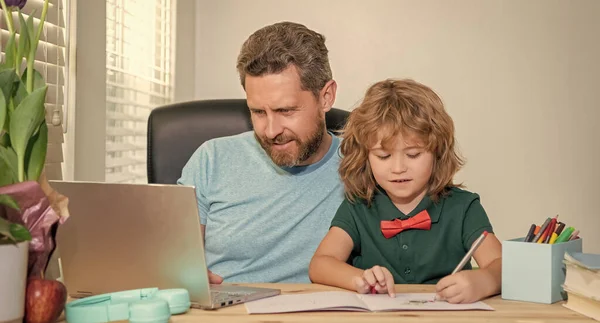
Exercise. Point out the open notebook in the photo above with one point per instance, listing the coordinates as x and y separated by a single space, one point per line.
349 301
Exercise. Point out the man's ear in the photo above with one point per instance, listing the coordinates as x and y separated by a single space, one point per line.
327 96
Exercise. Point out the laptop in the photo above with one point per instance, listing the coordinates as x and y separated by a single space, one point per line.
131 236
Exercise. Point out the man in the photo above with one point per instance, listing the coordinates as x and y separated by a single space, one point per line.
266 197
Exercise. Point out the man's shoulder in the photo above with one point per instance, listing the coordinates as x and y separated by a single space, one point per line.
244 138
226 147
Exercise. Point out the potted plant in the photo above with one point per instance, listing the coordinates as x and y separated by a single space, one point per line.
14 246
30 210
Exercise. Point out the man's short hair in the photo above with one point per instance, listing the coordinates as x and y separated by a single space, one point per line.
272 49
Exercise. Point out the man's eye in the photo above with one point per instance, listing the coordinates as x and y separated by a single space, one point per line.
258 112
413 156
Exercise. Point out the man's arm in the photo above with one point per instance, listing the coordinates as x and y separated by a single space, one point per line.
212 278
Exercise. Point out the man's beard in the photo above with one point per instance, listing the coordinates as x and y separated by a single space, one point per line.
290 158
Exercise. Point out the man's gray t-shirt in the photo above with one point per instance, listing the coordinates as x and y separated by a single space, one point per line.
263 222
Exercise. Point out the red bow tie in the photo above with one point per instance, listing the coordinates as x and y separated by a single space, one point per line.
420 221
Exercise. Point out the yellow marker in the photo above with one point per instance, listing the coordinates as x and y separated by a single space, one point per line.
553 238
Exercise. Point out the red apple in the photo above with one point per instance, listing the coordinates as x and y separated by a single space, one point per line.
45 300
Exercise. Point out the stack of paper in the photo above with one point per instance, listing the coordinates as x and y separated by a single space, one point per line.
582 283
349 301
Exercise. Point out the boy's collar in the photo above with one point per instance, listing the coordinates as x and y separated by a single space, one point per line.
434 209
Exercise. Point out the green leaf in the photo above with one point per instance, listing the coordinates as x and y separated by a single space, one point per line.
24 123
9 201
20 94
24 40
5 140
13 231
20 232
9 50
8 77
7 176
3 111
8 158
5 229
35 157
38 80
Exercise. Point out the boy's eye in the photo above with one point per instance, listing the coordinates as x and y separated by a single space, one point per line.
413 156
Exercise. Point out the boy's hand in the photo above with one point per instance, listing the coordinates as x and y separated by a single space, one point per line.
467 286
378 279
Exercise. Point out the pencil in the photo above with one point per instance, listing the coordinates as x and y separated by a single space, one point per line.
467 257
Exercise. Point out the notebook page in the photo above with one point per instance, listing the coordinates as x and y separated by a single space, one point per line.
346 301
416 302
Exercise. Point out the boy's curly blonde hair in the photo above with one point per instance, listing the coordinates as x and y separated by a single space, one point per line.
391 108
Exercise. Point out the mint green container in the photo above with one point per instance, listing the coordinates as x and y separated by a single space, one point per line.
534 272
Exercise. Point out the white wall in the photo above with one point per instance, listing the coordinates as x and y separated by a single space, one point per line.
520 78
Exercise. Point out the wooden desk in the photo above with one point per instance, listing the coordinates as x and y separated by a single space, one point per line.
505 311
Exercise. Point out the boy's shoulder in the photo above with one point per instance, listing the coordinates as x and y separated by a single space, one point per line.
459 196
459 192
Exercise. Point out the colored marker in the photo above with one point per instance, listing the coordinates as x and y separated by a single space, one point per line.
550 230
542 230
574 235
530 234
565 235
373 290
554 237
546 232
537 229
560 227
467 257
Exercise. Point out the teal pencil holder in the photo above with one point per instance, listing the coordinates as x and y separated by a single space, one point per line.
535 272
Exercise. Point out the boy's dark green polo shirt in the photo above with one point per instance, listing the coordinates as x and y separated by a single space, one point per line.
414 256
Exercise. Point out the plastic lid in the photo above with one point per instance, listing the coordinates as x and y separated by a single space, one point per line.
149 311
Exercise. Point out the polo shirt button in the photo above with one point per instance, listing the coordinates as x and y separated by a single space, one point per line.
404 247
407 270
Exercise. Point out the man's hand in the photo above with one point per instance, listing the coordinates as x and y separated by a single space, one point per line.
214 278
467 286
377 278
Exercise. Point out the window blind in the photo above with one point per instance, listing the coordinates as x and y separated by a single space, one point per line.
139 77
51 63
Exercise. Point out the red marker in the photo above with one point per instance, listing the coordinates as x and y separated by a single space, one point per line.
373 290
467 257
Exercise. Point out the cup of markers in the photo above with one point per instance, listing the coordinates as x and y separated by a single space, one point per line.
550 232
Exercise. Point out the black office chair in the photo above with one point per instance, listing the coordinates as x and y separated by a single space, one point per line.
176 131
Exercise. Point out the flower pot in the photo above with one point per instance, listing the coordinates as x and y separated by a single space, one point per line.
13 279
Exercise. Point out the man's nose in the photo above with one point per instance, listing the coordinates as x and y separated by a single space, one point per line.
274 127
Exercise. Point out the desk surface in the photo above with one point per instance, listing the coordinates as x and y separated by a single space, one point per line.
505 311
